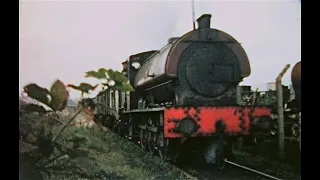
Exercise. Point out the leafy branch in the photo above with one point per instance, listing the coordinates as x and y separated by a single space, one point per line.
111 79
65 125
54 100
83 87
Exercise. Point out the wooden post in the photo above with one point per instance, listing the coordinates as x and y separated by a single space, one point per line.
239 100
280 112
254 97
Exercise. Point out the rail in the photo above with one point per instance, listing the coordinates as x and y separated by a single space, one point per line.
252 170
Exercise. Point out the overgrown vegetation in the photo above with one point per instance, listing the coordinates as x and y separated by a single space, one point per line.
51 149
90 154
108 79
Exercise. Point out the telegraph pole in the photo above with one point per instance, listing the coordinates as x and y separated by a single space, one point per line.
280 111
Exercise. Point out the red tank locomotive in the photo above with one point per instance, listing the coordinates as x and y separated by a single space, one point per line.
187 90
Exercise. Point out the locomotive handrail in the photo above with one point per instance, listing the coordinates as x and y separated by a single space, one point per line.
210 42
145 110
157 52
158 85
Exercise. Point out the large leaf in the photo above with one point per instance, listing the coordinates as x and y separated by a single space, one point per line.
74 87
83 87
29 108
100 74
59 95
93 74
38 93
124 87
116 76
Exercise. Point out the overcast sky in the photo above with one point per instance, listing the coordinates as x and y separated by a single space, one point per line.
64 39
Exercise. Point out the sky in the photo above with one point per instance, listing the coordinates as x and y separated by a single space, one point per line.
64 39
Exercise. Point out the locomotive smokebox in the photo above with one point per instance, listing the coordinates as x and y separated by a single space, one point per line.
204 21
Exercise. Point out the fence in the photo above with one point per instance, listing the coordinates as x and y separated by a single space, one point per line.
249 96
278 96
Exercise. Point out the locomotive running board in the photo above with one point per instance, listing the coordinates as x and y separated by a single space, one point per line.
145 110
210 42
178 122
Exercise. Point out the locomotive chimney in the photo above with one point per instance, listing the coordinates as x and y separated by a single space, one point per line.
204 21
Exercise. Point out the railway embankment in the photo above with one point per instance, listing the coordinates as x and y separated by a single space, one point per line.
83 153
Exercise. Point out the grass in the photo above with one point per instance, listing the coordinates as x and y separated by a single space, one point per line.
109 156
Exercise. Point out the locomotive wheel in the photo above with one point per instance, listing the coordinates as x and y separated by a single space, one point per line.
220 156
274 129
295 130
163 147
221 163
151 137
144 138
117 128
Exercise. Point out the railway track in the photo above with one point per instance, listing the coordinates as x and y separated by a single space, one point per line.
252 170
232 171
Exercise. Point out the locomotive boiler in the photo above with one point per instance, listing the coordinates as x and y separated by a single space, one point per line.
201 68
187 91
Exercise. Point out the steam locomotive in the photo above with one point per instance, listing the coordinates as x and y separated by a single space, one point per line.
186 92
296 83
292 109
